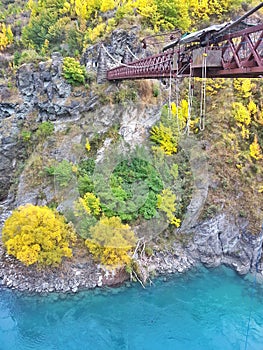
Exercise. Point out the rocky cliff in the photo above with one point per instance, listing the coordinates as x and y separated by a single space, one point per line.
94 112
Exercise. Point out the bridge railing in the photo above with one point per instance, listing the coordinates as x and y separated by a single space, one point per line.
241 55
242 52
150 67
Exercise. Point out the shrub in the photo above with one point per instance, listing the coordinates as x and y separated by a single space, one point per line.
73 71
86 167
26 135
132 190
166 203
27 56
255 150
241 113
45 129
62 173
37 235
156 91
111 242
85 184
6 36
164 137
90 203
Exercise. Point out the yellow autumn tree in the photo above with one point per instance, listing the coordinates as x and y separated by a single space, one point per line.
36 234
6 36
163 136
166 202
90 203
107 5
255 149
111 242
242 117
242 87
180 116
203 9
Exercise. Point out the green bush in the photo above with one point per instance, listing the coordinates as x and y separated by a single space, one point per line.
26 135
86 167
27 56
73 71
124 95
45 129
85 185
132 190
62 173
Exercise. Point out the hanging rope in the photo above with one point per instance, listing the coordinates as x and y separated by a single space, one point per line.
190 101
203 94
131 65
182 70
134 56
170 92
177 90
254 286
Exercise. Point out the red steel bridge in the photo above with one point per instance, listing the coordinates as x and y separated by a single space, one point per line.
230 50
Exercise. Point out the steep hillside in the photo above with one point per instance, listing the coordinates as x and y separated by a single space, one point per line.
143 187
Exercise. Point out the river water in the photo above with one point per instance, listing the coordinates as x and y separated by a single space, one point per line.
202 309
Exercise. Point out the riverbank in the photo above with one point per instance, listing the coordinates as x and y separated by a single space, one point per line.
213 242
74 275
82 273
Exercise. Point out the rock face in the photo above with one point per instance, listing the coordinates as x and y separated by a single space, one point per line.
221 240
42 94
122 47
10 152
133 123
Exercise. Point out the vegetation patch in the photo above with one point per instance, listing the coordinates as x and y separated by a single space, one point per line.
38 235
73 71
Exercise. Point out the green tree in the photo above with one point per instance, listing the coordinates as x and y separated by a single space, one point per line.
73 71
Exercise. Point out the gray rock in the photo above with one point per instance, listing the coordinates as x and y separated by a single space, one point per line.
223 241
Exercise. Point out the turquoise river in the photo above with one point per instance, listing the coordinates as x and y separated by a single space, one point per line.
202 309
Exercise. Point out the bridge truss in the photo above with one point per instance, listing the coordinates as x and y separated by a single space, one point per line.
235 55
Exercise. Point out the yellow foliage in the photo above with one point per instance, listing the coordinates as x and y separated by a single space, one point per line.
65 9
164 137
107 5
252 107
243 87
111 242
259 118
202 9
6 36
180 117
255 150
111 24
166 201
96 32
87 145
90 203
214 85
148 9
74 169
245 132
37 235
241 114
